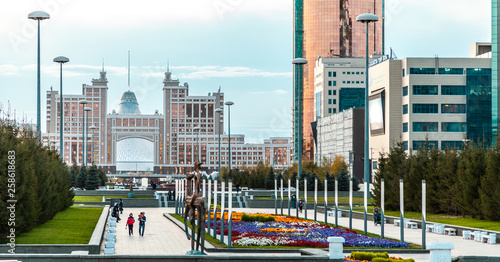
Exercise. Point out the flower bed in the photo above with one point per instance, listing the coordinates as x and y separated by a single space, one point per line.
291 231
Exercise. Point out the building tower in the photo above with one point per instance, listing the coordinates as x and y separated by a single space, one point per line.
329 29
495 65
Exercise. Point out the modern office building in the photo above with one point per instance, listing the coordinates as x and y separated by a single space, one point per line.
329 29
445 102
129 140
495 66
342 134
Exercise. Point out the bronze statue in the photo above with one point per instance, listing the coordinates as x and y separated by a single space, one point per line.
195 208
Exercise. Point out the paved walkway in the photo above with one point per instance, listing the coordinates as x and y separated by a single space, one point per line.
162 237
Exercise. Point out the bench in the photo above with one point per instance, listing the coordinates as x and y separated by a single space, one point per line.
450 231
490 239
332 213
411 225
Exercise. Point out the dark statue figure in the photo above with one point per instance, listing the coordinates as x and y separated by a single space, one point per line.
195 209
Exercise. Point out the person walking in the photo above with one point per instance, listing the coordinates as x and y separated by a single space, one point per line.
130 224
116 212
142 223
121 206
301 205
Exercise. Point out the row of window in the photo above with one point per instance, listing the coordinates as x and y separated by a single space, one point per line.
434 109
432 71
433 127
334 74
332 110
420 144
433 90
332 92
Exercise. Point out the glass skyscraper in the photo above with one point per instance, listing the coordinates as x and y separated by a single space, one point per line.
328 28
494 69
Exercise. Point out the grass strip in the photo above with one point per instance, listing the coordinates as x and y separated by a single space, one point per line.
74 225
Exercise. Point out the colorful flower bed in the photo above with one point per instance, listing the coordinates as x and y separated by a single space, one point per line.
291 231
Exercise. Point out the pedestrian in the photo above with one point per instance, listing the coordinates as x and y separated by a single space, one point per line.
301 205
121 206
142 223
116 212
130 224
169 195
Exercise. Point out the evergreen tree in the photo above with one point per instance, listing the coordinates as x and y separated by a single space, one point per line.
270 179
489 191
73 174
102 177
81 180
92 182
471 168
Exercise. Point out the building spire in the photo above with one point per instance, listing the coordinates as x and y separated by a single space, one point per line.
168 65
102 65
128 70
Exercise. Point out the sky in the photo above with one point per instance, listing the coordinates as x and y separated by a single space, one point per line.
243 46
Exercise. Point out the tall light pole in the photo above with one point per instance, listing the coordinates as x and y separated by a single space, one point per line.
38 15
367 19
92 129
229 104
86 125
84 104
197 128
219 111
61 60
298 90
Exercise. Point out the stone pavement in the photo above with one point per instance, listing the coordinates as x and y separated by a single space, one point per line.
162 237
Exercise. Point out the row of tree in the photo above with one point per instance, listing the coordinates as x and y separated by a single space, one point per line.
263 176
89 179
465 182
40 178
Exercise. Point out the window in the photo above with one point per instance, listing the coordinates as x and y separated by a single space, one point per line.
405 109
452 144
425 126
334 83
425 90
425 108
329 83
418 144
329 101
329 92
453 108
348 82
334 101
422 71
357 73
404 76
453 127
405 127
329 74
334 110
334 92
451 71
405 145
405 90
343 73
348 73
453 90
329 110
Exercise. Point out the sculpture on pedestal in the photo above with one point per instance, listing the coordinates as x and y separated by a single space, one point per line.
195 209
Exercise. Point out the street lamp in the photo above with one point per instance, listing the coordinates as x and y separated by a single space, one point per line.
367 19
86 125
83 103
298 90
61 60
229 104
197 128
92 129
38 15
219 111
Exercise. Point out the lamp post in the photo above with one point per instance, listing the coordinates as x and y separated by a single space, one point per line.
86 125
298 89
83 103
367 19
38 15
61 60
92 129
219 111
229 104
197 128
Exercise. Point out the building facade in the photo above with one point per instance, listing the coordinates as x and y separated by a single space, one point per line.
495 66
129 140
329 29
439 102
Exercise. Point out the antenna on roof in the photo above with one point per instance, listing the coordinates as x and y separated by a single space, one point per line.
168 65
102 64
128 70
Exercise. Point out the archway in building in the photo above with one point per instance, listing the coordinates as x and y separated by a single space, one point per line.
134 155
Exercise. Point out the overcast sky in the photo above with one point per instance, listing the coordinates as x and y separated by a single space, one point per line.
244 46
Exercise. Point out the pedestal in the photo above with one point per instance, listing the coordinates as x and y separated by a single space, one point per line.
336 247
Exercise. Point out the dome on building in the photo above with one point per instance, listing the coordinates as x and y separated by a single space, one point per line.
129 104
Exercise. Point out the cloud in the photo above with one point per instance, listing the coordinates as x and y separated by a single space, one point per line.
7 70
204 72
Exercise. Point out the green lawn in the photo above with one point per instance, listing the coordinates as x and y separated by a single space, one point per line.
99 198
74 225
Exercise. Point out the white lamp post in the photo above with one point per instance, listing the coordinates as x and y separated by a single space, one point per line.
219 111
197 129
61 60
83 103
229 104
92 129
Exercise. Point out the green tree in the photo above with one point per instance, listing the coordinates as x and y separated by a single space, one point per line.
489 191
73 174
93 181
270 179
471 168
81 180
